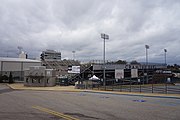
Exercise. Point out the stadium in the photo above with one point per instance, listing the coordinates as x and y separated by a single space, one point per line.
52 60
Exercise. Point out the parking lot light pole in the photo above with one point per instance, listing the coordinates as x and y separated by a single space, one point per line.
104 37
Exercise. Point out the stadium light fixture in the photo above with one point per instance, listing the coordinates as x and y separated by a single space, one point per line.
147 47
165 51
104 37
73 52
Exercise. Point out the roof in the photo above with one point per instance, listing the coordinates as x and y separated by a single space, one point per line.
7 59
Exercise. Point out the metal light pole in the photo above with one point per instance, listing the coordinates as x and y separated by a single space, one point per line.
165 51
147 47
165 75
104 36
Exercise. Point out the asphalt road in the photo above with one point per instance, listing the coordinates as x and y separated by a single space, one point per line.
54 105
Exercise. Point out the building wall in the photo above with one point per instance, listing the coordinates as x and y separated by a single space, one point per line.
11 66
39 82
39 76
127 66
27 65
16 68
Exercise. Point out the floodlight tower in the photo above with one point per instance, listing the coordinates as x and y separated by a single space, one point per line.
165 51
104 37
73 52
147 47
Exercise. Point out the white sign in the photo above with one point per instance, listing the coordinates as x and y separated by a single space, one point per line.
119 73
134 73
74 69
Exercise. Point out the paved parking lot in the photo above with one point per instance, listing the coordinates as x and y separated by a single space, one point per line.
57 105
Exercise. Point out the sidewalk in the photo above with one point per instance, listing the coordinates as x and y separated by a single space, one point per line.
20 86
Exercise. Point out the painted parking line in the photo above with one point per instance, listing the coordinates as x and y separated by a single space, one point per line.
61 115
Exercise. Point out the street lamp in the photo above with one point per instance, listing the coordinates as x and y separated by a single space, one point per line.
165 51
104 37
147 47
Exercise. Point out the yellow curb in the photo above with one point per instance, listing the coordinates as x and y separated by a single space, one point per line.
72 89
55 88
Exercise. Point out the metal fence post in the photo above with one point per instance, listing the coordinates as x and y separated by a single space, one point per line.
152 88
121 85
130 86
113 85
166 88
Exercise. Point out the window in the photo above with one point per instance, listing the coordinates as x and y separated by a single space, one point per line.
48 73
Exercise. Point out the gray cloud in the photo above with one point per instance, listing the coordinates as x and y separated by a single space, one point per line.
67 25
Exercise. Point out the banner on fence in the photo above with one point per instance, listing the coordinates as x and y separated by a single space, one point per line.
134 73
119 73
73 69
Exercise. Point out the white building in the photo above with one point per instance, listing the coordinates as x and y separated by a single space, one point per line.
16 66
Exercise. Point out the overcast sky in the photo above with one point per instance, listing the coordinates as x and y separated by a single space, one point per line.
76 25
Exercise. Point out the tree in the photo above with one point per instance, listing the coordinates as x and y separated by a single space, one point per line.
4 78
10 78
121 62
174 68
134 62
